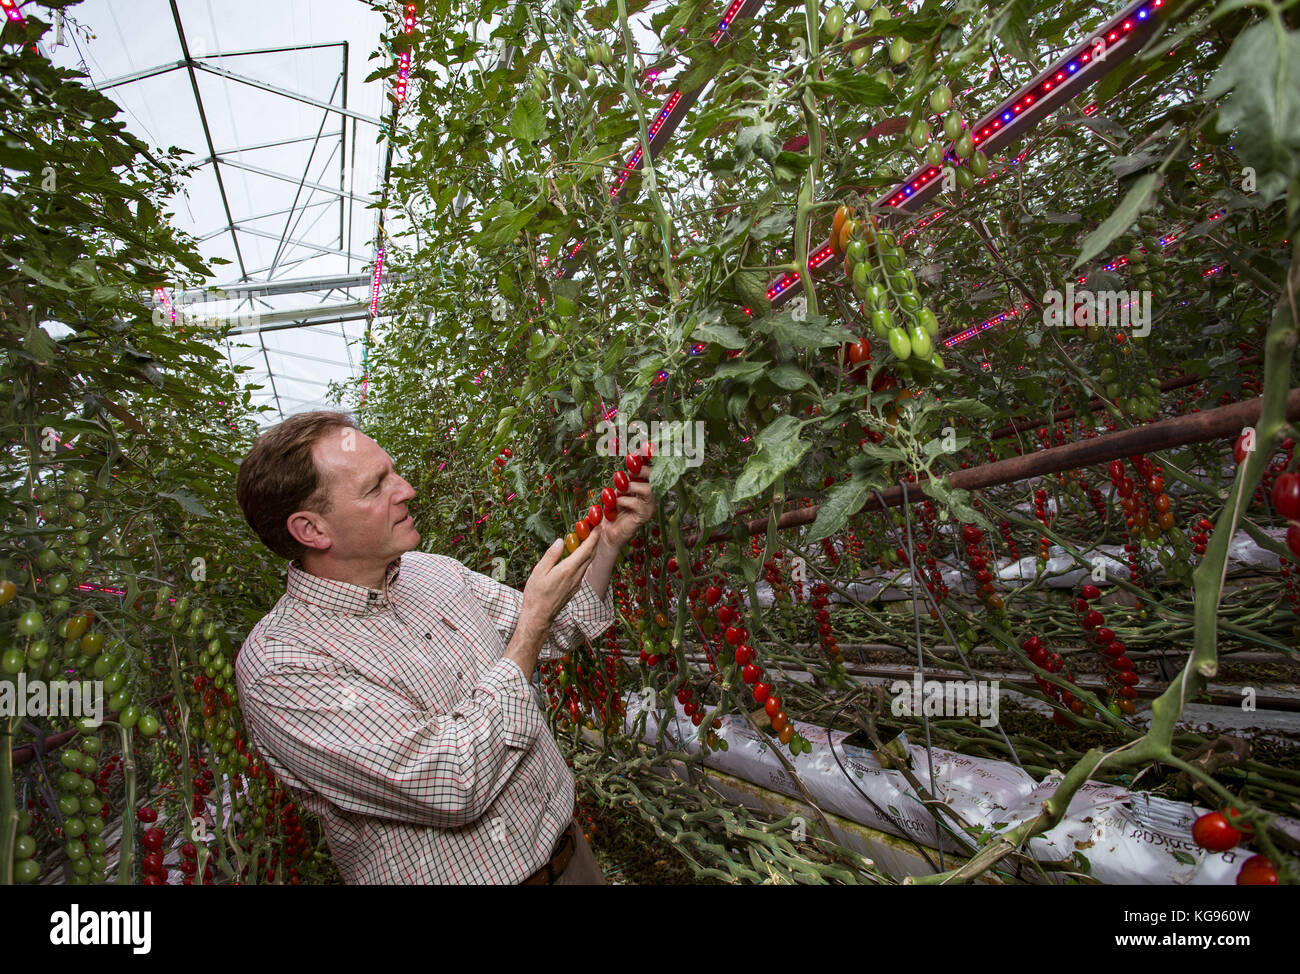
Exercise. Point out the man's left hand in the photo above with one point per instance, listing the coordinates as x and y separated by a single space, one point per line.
635 508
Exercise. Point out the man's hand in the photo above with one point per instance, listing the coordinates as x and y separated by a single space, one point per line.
635 508
550 586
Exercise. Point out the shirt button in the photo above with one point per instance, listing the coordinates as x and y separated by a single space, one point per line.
428 635
460 676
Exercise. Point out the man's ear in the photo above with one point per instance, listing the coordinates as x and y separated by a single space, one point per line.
309 529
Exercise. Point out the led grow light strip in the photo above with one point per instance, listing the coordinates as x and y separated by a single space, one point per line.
1166 241
10 7
1090 61
404 59
375 280
673 112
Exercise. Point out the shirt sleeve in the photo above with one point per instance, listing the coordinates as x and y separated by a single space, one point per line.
585 616
370 751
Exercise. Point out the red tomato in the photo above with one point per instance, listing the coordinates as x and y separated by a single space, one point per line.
608 497
712 594
593 515
620 481
1286 496
1212 831
726 614
1293 538
1257 871
582 530
1239 451
744 654
761 692
611 512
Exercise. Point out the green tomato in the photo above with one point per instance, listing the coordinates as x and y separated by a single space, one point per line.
979 164
899 344
129 716
940 99
58 584
12 661
25 847
965 146
859 56
26 871
149 725
952 125
921 345
920 133
928 321
881 322
934 154
964 178
30 623
899 49
833 23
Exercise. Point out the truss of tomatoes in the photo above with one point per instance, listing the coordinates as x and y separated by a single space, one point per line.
607 509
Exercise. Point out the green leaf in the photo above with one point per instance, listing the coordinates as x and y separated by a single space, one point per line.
842 501
1129 209
714 503
665 472
739 368
790 378
186 500
718 334
779 449
1262 72
528 122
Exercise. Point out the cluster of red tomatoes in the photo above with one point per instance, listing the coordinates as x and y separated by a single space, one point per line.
608 506
1221 831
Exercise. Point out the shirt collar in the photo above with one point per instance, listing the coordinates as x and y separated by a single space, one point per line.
336 596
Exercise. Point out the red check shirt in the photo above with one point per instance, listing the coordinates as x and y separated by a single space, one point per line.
393 717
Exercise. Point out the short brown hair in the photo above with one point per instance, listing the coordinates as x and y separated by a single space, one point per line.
279 477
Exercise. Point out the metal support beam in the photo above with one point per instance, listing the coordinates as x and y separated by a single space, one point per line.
297 285
260 216
298 243
271 145
140 75
277 90
263 171
355 316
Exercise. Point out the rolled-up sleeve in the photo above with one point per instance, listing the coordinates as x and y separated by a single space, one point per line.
371 751
586 616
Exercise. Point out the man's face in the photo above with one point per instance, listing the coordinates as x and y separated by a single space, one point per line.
368 521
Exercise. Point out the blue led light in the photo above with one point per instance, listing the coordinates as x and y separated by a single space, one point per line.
1073 68
1142 15
1006 117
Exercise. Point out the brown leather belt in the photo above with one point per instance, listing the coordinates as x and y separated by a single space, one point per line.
561 855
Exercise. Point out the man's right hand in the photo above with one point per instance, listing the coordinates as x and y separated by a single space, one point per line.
549 588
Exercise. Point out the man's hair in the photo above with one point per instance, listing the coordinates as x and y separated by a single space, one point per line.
279 477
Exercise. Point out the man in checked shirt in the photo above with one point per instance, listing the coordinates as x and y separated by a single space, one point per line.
389 689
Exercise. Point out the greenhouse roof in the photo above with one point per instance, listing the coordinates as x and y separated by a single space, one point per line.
270 101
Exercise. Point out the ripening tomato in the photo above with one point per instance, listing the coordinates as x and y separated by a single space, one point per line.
571 543
581 529
1212 831
859 352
